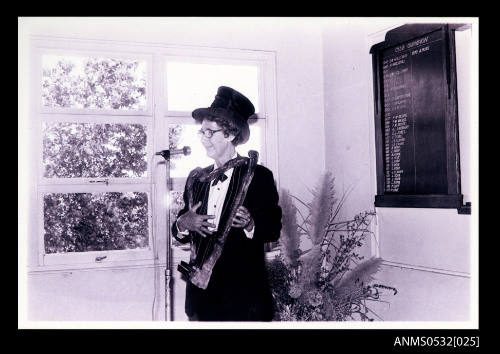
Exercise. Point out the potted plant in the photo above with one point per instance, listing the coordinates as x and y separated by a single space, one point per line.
329 281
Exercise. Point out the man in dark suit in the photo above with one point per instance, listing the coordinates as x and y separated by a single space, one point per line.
231 210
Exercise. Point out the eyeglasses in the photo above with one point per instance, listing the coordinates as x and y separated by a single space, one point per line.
208 133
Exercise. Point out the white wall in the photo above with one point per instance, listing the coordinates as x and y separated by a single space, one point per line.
128 293
427 251
86 295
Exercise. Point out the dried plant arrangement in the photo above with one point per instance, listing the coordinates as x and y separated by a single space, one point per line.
330 281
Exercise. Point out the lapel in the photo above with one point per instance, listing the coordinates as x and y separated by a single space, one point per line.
201 191
234 187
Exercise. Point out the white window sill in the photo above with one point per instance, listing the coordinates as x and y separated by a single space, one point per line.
111 262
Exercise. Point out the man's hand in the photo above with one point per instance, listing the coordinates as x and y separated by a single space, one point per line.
194 222
243 219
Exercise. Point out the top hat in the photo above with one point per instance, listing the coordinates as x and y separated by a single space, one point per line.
232 106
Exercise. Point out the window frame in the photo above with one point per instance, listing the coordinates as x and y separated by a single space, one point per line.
267 110
157 119
41 114
92 119
99 111
112 256
260 110
85 49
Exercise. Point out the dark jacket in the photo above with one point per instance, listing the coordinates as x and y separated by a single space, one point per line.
239 288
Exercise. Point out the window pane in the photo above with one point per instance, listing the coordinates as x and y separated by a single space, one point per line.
175 204
82 222
181 135
94 150
94 83
191 86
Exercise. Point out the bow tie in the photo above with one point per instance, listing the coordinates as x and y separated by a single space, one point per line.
222 177
217 174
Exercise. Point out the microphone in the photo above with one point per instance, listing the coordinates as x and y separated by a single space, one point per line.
186 150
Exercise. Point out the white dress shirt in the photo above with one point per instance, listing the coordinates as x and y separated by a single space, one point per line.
216 197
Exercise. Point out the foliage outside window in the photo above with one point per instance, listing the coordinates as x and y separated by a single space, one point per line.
176 203
94 150
93 83
82 222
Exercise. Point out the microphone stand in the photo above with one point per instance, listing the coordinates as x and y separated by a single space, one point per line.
168 258
186 150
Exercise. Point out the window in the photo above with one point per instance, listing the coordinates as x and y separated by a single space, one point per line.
82 225
192 84
73 150
70 81
101 112
93 111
